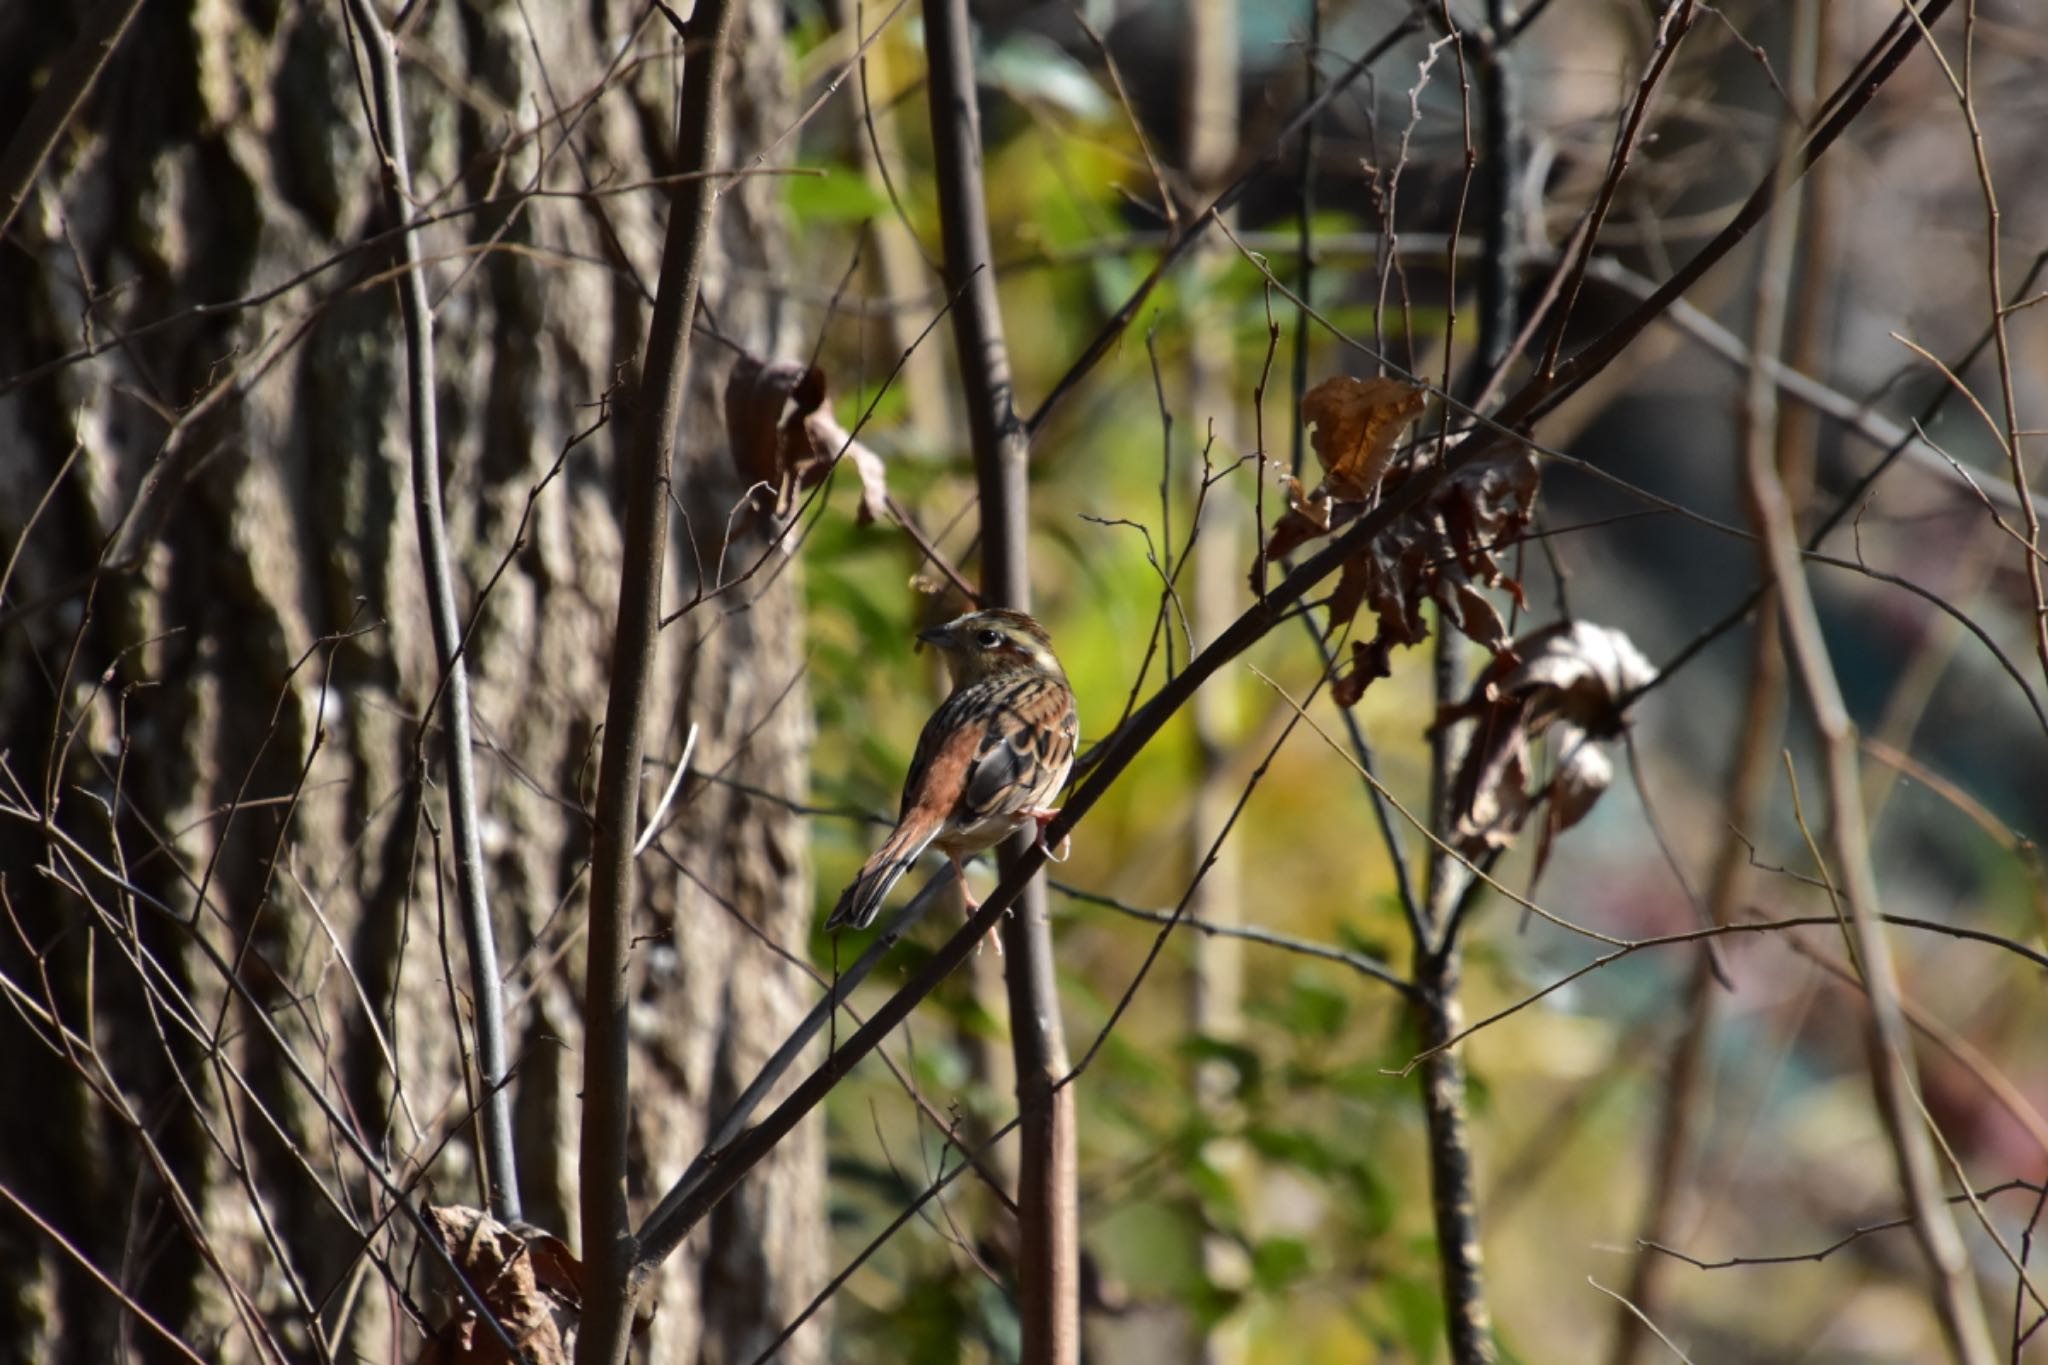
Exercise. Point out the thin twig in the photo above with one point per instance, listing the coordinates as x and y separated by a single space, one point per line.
2011 437
668 794
772 1071
1223 203
1855 1234
472 896
64 89
87 1264
1357 962
1761 926
1642 1317
259 1012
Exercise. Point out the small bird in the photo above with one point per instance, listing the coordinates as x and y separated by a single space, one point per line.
990 760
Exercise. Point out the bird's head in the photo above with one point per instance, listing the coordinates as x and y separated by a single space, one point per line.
982 644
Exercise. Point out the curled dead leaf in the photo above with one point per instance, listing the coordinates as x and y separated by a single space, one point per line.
1584 772
527 1277
1582 673
761 398
1369 663
1357 424
1567 683
1314 507
1448 551
784 438
828 438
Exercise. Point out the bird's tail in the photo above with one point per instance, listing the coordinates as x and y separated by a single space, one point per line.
862 900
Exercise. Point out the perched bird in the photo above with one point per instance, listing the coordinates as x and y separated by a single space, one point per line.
990 760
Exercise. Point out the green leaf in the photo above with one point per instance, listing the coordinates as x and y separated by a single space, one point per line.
1000 1326
1154 1246
1418 1315
1294 1147
1350 936
889 404
1278 1262
837 196
1374 1200
1315 1010
1218 1197
942 1067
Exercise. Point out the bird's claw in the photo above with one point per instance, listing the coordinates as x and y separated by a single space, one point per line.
1044 816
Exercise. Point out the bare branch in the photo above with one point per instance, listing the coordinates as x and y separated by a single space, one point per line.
1955 1297
423 427
608 1247
1048 1216
1854 1235
63 91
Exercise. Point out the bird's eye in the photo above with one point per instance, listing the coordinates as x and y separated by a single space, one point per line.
988 639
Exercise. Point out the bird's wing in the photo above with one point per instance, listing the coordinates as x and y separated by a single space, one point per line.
948 755
1025 752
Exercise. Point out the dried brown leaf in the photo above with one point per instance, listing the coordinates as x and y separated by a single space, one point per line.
514 1271
1580 673
1492 789
827 439
784 438
1368 666
1584 772
1476 617
765 403
1314 506
1357 424
1292 531
1446 550
1566 683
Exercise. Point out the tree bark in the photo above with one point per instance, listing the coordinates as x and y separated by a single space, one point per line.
237 500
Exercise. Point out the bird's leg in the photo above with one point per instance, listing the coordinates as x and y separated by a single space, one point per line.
970 904
966 892
1043 816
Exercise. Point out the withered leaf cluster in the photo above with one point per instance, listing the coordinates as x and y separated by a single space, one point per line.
527 1276
1566 684
784 438
1445 550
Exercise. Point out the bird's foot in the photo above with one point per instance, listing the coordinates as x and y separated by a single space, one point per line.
1043 816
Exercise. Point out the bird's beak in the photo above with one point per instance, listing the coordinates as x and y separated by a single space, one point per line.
940 636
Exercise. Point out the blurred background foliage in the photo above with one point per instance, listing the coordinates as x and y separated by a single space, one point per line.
1312 1168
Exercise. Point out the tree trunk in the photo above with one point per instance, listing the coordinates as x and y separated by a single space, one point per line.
241 679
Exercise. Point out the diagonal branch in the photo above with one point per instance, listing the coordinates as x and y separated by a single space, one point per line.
1848 103
69 82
